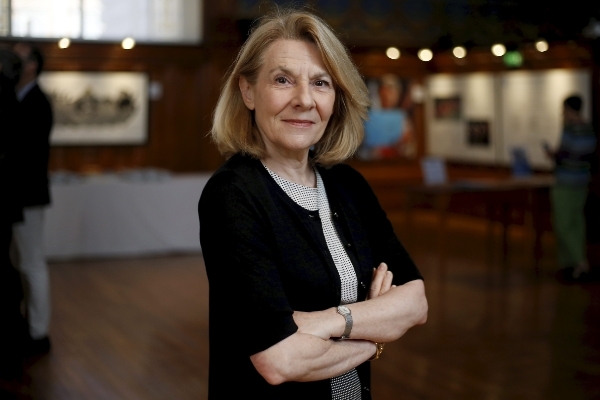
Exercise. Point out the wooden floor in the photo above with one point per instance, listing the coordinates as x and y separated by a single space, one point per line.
137 329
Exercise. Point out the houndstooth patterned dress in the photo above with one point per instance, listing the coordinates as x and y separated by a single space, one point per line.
347 385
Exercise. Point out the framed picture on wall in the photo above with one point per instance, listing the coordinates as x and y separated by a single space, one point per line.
97 108
447 108
389 130
478 133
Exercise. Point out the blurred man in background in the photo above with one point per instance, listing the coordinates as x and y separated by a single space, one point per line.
573 173
33 127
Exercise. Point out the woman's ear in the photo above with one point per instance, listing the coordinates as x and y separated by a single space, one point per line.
247 92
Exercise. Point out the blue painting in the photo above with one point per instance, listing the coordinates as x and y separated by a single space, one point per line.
389 129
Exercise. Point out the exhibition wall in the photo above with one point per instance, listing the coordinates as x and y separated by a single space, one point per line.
531 109
483 116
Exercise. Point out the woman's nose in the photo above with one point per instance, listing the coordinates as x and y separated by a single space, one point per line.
303 97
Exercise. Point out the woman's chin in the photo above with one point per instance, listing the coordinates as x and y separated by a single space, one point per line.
292 149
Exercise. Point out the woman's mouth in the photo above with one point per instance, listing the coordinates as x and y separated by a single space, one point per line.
301 123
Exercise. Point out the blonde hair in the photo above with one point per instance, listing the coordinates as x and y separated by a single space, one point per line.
234 130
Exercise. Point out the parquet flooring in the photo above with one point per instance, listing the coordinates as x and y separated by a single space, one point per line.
137 328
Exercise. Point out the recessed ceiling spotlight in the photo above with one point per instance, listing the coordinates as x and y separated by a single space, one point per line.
64 43
541 45
128 43
393 53
498 49
425 55
459 52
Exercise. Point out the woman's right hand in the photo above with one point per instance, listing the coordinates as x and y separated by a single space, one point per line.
381 282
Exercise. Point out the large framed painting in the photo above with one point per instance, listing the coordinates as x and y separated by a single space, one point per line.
97 108
389 130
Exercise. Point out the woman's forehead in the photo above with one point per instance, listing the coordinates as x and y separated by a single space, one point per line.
293 54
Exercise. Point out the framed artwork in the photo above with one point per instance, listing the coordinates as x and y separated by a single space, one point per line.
478 133
97 108
389 130
447 108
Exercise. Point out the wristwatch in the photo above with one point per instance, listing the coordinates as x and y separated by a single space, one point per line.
345 312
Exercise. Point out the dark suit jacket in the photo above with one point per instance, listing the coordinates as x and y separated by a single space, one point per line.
34 126
266 256
10 199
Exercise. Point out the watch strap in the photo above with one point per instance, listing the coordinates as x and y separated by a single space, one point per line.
345 312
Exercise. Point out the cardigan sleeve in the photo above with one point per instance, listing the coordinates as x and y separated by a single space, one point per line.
240 256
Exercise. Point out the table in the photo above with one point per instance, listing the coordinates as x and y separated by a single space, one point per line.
123 215
498 197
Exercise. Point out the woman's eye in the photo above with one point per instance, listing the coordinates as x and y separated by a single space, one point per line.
281 79
321 83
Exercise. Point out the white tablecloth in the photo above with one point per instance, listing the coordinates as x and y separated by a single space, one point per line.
110 216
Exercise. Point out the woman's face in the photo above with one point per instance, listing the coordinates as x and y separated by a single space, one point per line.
292 98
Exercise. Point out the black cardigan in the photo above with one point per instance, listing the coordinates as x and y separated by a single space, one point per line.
266 257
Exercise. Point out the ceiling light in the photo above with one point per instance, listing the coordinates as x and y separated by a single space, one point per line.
64 43
393 53
541 45
425 55
459 52
498 49
128 43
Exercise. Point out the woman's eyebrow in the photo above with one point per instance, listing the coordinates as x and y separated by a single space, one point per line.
285 70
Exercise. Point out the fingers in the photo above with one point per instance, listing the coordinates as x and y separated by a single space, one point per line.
381 282
377 280
387 282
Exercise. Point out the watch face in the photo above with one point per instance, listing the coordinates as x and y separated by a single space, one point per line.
344 309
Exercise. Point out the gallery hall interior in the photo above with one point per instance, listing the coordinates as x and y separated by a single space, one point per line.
454 141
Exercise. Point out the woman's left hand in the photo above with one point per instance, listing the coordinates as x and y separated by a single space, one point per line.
382 281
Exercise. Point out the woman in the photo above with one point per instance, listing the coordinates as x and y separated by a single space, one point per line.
290 235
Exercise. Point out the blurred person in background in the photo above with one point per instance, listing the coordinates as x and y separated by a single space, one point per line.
13 327
33 132
573 160
307 277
